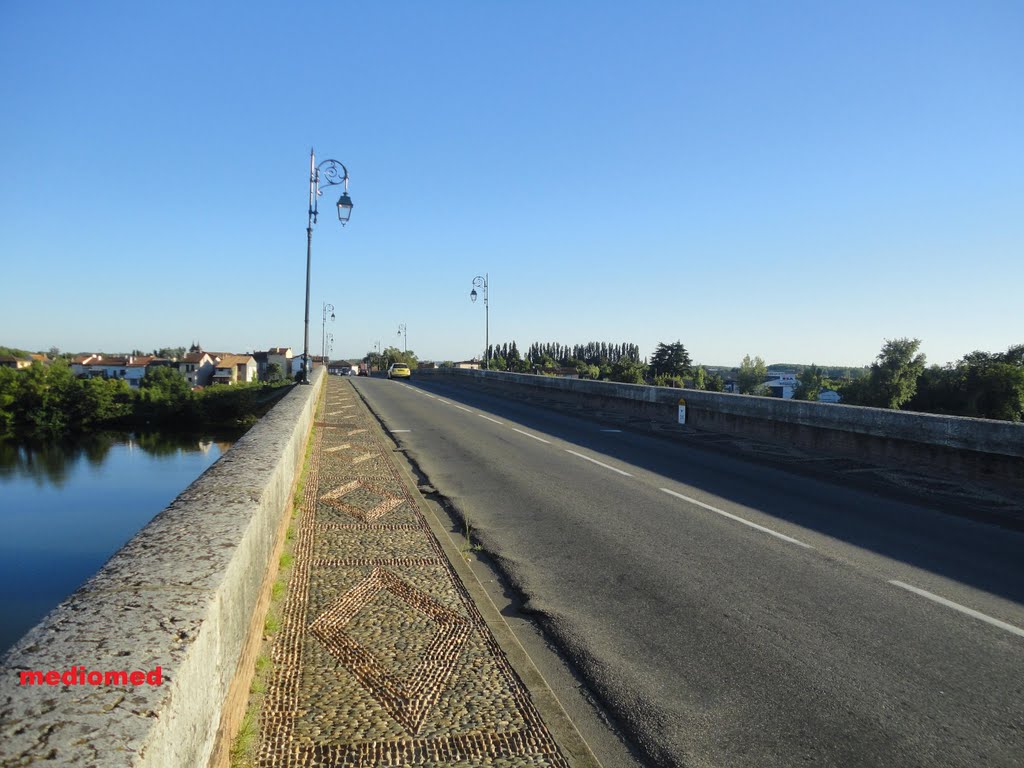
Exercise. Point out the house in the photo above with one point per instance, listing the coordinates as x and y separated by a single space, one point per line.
130 368
283 357
782 384
261 364
234 369
473 364
197 368
10 361
135 369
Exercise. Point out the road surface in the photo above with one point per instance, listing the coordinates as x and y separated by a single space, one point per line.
730 613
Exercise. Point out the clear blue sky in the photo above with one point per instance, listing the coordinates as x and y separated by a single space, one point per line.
797 181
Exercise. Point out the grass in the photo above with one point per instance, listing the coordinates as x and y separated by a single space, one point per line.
244 748
469 545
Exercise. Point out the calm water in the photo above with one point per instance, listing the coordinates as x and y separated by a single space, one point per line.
65 509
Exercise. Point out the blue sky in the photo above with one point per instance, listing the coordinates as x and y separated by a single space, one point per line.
798 181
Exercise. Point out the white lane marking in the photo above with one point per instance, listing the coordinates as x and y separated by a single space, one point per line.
611 430
958 607
529 435
723 513
442 401
401 430
467 410
599 463
488 418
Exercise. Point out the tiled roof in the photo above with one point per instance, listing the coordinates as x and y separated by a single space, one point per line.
232 360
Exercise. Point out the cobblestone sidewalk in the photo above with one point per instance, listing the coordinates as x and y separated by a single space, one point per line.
382 657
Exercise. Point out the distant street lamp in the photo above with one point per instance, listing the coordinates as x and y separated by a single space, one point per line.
403 331
333 173
481 282
323 328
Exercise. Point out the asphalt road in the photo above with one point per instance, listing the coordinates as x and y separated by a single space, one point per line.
729 613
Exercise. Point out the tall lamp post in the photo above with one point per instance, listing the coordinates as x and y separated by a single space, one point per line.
328 174
403 331
481 282
323 328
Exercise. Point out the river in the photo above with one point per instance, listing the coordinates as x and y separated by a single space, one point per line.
66 508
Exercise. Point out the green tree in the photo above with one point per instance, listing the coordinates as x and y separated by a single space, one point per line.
812 381
700 377
274 373
714 382
751 376
892 380
628 372
670 360
165 381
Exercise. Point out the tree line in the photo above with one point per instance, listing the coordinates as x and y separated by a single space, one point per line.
49 401
986 385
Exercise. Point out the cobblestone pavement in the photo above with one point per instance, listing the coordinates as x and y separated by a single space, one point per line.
382 657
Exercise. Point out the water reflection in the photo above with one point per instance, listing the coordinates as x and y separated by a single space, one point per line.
49 463
65 508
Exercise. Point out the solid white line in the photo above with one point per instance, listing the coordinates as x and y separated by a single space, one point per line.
599 463
467 410
442 401
723 513
961 608
401 430
611 430
529 435
488 418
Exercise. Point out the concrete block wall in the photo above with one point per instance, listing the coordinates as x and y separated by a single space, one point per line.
180 595
979 449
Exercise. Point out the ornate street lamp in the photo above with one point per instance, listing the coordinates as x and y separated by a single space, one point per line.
481 282
328 174
323 327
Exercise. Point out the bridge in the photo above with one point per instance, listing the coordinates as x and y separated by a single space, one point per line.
735 580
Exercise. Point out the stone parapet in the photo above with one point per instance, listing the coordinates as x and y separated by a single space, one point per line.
182 596
981 449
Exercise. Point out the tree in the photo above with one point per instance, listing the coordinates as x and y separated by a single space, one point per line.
714 382
751 376
670 360
165 382
274 372
812 380
893 377
628 372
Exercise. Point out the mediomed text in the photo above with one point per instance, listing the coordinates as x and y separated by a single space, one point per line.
79 676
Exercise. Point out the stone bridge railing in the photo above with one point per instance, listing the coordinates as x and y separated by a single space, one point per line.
979 449
177 610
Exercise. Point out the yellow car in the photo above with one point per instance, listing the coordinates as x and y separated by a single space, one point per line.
399 371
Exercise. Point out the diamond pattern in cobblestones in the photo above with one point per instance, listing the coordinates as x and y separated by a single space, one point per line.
382 657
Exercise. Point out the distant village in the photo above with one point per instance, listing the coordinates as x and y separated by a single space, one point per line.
198 367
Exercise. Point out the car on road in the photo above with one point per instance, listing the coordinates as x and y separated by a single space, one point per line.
399 371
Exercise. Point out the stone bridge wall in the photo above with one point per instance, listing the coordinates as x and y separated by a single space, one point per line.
185 594
979 449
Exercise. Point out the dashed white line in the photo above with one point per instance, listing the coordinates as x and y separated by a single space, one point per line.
599 463
401 430
541 439
611 430
731 516
957 607
488 418
442 401
461 408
